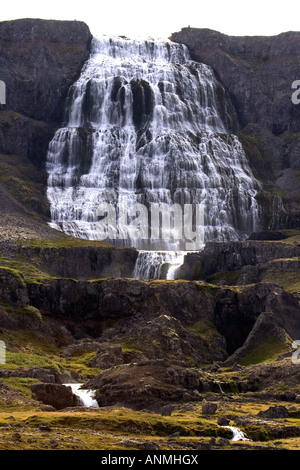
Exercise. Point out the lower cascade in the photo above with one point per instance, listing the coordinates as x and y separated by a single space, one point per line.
85 396
237 434
158 264
147 157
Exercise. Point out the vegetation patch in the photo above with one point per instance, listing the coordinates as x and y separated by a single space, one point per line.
24 271
267 351
290 281
230 277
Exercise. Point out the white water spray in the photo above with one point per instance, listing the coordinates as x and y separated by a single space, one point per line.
85 396
237 434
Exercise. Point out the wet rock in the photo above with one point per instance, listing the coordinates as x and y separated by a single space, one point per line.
248 67
56 395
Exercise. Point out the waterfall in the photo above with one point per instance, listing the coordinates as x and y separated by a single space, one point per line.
158 264
86 396
145 157
237 434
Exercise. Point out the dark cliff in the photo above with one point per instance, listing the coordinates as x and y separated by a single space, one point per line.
258 73
39 60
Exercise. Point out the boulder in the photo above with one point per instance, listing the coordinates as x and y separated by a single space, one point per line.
152 385
209 408
56 395
274 412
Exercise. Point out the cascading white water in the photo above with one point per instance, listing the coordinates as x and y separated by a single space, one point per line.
147 128
237 434
158 264
86 396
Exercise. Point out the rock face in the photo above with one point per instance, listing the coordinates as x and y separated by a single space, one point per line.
233 256
56 395
258 73
147 385
39 61
92 262
45 58
191 321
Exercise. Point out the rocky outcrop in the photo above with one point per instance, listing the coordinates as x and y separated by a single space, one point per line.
56 395
42 374
147 385
40 59
233 256
258 73
275 412
187 320
83 262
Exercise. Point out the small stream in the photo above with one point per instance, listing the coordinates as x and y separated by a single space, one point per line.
86 396
238 435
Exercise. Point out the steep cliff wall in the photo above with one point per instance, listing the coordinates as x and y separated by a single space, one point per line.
39 60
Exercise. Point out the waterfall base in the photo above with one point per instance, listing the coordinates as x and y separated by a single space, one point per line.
86 396
158 264
237 434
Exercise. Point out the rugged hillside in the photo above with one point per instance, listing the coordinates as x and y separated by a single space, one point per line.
258 73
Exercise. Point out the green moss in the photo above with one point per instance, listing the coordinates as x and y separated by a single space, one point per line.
33 312
14 273
65 242
20 384
29 360
26 182
230 277
205 328
267 351
289 280
26 272
258 433
130 346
